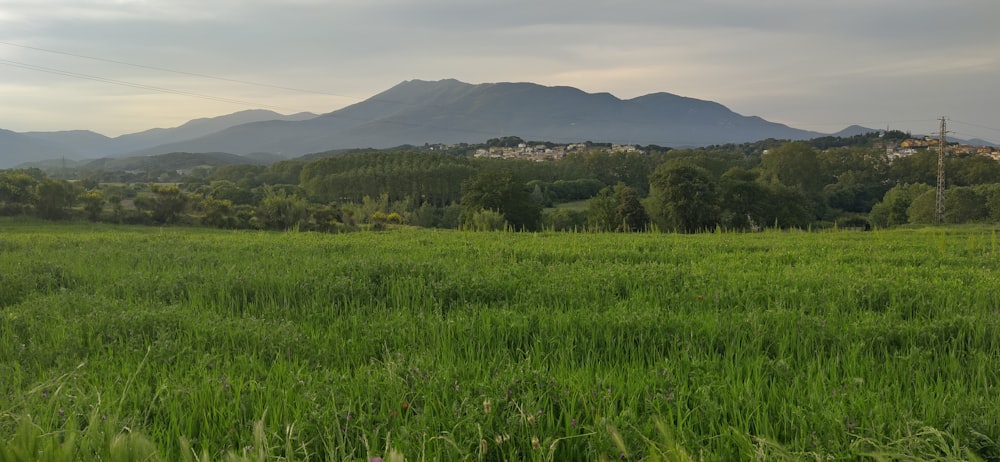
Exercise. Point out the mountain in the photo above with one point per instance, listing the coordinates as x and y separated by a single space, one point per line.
170 161
854 130
16 148
127 144
982 142
417 112
449 111
82 144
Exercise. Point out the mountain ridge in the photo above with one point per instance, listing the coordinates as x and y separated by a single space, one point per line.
86 144
448 111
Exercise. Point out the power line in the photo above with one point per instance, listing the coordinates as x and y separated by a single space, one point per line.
175 71
139 86
975 125
280 87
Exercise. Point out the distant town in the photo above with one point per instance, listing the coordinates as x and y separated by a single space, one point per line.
910 146
545 152
548 152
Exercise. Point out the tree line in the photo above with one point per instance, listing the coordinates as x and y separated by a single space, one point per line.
829 181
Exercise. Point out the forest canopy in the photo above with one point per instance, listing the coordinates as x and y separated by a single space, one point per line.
826 182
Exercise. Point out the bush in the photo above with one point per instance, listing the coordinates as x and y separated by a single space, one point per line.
486 220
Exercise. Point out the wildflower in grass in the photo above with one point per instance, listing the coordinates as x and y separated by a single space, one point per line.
572 423
375 459
62 412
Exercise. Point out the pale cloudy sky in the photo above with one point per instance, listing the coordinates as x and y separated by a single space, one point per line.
821 65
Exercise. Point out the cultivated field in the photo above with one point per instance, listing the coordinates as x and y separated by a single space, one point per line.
174 343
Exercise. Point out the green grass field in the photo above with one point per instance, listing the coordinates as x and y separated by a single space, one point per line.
134 343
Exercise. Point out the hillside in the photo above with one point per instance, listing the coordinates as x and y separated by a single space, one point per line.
85 144
449 111
17 148
167 162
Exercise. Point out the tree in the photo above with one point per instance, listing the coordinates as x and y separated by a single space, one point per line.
565 219
17 191
973 170
860 177
93 203
601 211
965 205
52 197
788 207
744 201
229 191
685 197
617 209
497 190
893 210
218 213
917 168
922 209
280 211
166 203
992 195
796 165
486 220
629 214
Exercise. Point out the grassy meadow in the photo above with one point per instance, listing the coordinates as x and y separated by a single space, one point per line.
137 343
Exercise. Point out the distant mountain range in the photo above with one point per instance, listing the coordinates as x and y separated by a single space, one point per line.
19 148
417 112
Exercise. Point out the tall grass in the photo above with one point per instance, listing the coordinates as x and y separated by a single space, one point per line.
439 345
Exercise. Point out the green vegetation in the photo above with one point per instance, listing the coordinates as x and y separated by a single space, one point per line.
141 343
830 181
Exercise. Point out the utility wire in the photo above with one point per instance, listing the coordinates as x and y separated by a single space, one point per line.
267 85
975 125
139 86
174 71
172 91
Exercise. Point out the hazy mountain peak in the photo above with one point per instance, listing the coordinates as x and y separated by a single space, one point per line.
450 111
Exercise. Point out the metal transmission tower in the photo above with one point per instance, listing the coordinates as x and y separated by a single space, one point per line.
939 203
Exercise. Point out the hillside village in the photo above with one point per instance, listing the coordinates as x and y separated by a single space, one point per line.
911 146
547 152
543 152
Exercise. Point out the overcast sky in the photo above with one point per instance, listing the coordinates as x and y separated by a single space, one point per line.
121 66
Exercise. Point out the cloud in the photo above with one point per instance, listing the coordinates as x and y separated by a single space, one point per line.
774 58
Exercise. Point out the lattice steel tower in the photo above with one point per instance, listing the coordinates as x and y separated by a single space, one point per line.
939 202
